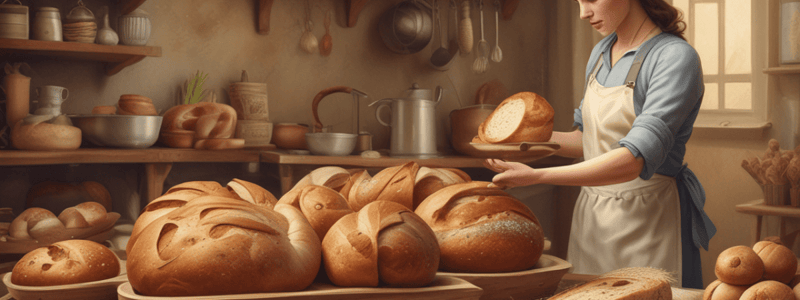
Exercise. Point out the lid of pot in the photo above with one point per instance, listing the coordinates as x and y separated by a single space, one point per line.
13 8
417 93
80 14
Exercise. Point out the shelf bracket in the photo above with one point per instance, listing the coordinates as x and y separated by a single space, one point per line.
128 6
114 68
155 174
353 8
264 11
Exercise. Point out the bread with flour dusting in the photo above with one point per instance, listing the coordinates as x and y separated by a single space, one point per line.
623 284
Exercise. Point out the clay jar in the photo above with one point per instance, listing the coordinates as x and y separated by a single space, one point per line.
290 136
17 88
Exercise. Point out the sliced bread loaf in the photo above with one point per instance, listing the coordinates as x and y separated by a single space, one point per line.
523 117
623 284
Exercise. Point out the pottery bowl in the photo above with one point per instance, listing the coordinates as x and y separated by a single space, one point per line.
121 131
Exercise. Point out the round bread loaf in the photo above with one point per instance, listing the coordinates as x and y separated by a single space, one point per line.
482 229
322 206
216 245
719 290
66 262
45 136
768 290
383 242
523 117
739 265
394 184
430 180
780 264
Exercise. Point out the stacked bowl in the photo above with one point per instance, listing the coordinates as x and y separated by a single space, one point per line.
82 32
249 99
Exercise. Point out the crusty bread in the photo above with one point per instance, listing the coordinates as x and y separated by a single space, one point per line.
719 290
768 290
56 196
333 177
523 117
384 242
80 221
45 136
394 184
216 245
482 229
205 119
252 193
626 283
739 265
321 205
780 264
430 180
66 262
35 222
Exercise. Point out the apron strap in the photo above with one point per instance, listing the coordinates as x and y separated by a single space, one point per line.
702 227
641 54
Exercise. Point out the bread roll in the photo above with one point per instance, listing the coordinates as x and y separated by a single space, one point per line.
66 262
34 223
383 242
57 196
482 229
43 226
627 283
322 206
394 184
780 264
768 290
430 180
207 120
719 290
84 215
523 117
739 265
216 245
796 291
136 105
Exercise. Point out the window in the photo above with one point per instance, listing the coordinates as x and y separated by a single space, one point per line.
720 31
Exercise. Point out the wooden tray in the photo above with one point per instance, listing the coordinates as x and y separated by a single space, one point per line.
99 290
515 150
541 281
443 287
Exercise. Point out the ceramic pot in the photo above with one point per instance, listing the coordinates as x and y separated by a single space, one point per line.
290 136
13 21
47 25
134 28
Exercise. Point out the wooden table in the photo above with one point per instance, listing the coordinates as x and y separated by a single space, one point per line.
759 209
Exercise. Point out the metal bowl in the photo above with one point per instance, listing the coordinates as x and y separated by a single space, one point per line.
407 27
122 131
331 144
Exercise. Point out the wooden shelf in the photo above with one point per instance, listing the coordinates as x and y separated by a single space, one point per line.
127 6
783 70
107 155
760 209
115 58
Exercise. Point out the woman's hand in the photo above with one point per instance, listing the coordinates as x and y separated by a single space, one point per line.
511 174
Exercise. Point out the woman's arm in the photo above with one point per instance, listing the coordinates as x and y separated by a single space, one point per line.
571 143
616 166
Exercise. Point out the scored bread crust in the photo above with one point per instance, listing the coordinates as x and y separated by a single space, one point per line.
768 290
638 283
66 262
536 124
482 229
394 184
321 205
780 264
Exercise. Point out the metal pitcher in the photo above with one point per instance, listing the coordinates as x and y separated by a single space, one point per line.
413 122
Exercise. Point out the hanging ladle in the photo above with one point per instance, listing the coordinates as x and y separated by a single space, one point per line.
441 57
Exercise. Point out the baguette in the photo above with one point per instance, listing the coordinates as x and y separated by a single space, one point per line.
523 117
626 283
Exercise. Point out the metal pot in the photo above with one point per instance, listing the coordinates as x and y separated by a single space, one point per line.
330 143
407 27
413 122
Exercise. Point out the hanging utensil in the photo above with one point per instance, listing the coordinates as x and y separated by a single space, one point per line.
465 29
326 44
452 43
308 42
497 54
483 48
441 57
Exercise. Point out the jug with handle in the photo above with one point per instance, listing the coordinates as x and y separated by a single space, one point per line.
413 122
50 98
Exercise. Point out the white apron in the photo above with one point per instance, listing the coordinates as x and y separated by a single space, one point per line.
631 224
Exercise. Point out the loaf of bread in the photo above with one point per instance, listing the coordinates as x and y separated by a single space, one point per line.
739 265
214 245
780 264
719 290
332 177
80 221
482 229
57 196
430 180
57 133
104 110
130 104
394 184
523 117
205 119
219 144
626 283
384 242
768 290
321 205
66 262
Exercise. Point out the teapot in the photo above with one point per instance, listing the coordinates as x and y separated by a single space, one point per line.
413 122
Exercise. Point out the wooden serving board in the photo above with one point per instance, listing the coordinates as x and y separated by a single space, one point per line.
442 288
95 290
524 150
541 281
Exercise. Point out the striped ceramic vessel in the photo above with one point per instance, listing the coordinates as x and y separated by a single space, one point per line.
134 28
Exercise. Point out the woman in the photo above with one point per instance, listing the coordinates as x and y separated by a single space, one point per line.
639 204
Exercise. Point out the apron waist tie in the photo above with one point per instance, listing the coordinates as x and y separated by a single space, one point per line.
702 227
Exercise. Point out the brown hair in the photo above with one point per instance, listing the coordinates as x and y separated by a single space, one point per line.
668 18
